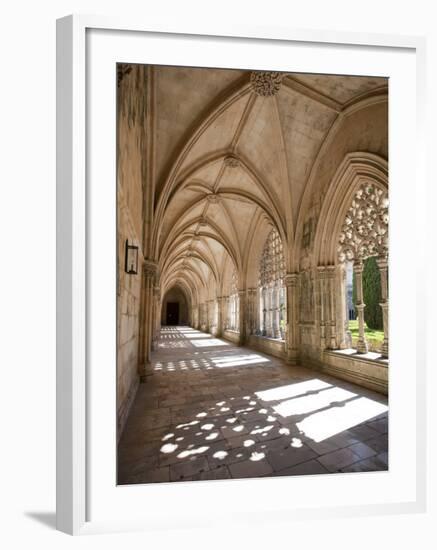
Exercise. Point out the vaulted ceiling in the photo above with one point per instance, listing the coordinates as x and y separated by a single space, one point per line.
234 154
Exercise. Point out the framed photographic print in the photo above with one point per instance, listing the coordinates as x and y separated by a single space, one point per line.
233 286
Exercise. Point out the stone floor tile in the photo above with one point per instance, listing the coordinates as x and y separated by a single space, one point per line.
321 447
157 475
371 464
233 430
362 432
380 425
250 468
188 468
362 450
379 443
281 459
311 467
337 460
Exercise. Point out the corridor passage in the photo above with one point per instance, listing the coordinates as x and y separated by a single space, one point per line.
212 410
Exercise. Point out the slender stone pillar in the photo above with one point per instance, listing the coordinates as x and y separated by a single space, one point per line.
156 316
269 312
382 263
321 304
342 312
330 289
220 301
362 346
290 281
276 320
264 312
258 311
242 316
149 277
251 310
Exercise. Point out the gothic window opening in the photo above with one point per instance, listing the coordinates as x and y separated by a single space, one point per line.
234 303
363 250
272 318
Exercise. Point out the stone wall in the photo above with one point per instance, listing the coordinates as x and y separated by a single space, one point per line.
232 335
268 345
132 84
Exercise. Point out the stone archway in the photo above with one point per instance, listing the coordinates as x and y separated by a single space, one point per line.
174 310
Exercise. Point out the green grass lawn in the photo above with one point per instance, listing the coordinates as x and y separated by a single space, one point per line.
374 337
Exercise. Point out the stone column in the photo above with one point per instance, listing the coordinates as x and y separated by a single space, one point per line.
321 305
220 301
257 312
342 312
362 346
156 316
251 311
330 289
382 263
263 327
149 277
290 281
242 316
276 317
268 307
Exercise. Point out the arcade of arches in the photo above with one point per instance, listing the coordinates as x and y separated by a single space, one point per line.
252 198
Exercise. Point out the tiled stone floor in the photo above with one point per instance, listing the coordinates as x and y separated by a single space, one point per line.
212 410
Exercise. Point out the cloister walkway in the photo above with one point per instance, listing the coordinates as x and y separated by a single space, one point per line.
212 410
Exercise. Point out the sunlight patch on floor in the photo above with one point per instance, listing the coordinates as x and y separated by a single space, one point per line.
208 343
292 390
324 424
309 403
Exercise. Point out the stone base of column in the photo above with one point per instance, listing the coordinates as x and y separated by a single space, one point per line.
384 348
144 374
362 346
292 357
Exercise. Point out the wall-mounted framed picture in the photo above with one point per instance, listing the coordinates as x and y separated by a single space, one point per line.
259 365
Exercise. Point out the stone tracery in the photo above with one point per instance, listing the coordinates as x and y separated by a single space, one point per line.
365 229
364 234
271 285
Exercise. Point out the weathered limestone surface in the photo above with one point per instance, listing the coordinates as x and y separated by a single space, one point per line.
130 170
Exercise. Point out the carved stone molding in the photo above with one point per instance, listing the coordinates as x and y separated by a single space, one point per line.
157 293
203 222
232 161
365 229
150 268
266 83
213 198
290 279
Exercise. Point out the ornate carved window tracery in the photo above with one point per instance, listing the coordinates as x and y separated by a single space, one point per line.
364 234
234 302
271 288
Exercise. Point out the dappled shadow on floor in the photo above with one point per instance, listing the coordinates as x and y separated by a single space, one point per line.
218 412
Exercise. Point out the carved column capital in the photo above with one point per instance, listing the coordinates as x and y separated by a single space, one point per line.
150 268
382 262
290 279
358 266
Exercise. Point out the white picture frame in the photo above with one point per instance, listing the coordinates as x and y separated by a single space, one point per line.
82 254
